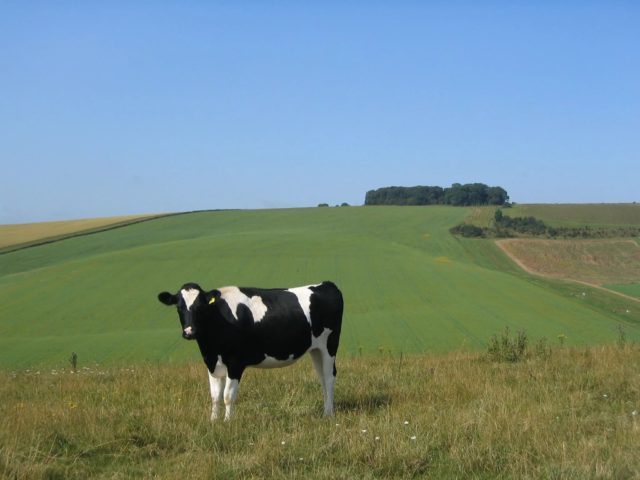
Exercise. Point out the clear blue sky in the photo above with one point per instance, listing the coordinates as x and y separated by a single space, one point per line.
110 108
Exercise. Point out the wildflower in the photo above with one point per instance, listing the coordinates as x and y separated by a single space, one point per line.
364 430
413 437
282 442
377 438
301 459
406 422
634 413
605 396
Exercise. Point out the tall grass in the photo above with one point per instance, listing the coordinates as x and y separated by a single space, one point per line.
570 414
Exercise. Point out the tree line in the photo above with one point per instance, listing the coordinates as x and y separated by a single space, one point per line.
504 226
458 195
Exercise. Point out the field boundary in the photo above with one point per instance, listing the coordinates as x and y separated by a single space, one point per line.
105 228
79 233
501 244
92 231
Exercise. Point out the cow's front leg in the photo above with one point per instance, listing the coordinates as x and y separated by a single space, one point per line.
216 385
230 395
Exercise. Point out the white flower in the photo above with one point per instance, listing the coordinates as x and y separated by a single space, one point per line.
364 430
413 438
377 438
634 413
282 442
406 422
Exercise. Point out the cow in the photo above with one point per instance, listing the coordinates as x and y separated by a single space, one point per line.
238 327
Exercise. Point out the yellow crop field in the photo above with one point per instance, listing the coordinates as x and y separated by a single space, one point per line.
26 233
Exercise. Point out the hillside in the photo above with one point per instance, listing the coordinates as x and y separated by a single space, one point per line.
576 215
21 235
408 284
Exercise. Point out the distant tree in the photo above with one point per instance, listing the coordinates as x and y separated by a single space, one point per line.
497 196
323 205
467 230
457 194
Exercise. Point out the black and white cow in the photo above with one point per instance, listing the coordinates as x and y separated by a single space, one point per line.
238 327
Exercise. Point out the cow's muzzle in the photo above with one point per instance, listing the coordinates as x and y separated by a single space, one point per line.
188 333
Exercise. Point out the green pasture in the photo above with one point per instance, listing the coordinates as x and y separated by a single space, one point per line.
632 289
409 285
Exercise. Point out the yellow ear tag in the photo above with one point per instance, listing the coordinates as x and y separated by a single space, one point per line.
212 300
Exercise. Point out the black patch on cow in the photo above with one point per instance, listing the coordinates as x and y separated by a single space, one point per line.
326 312
245 317
284 329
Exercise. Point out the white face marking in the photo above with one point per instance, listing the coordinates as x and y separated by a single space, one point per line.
188 331
234 297
189 296
304 299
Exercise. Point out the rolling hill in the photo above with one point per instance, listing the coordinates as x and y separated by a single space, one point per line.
409 285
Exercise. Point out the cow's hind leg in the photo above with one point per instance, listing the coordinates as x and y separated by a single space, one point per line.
230 395
216 385
324 365
316 358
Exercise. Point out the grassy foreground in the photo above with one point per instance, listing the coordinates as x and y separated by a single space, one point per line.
570 414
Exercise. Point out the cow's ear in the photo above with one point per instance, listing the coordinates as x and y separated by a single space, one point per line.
167 298
212 296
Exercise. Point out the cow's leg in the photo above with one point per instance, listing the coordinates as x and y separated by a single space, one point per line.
316 358
324 365
216 385
329 371
230 395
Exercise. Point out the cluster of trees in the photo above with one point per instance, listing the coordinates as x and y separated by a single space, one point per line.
504 226
457 194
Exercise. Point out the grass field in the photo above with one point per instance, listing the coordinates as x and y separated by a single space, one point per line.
569 414
576 215
408 284
632 289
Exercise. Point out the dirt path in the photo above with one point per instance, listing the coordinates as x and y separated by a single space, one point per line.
502 243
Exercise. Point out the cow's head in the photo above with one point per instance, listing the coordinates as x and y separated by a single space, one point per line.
191 302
